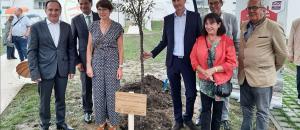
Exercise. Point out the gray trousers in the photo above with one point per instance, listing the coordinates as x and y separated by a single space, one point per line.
86 93
45 89
225 110
259 97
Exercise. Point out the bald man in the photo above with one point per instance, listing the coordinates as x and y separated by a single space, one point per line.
20 32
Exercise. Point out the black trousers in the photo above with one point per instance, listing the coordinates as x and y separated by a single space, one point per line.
10 52
45 89
86 94
210 120
181 68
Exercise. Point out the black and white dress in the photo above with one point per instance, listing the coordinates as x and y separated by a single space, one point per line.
105 63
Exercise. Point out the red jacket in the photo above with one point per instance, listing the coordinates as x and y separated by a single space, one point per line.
225 56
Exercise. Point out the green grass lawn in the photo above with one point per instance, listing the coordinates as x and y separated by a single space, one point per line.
291 66
24 108
151 39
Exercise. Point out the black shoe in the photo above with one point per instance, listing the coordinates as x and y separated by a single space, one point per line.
198 121
177 126
63 127
190 125
87 118
226 125
44 127
13 58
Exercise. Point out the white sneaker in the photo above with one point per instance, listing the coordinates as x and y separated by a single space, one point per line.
298 101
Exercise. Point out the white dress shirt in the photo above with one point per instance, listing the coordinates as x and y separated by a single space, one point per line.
54 29
179 29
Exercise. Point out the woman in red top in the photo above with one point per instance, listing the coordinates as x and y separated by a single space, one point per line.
217 70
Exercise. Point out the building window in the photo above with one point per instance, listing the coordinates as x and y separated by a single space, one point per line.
39 4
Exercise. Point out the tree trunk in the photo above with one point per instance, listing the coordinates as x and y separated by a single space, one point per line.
141 54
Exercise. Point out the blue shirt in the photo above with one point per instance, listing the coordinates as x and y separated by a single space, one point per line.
250 29
179 29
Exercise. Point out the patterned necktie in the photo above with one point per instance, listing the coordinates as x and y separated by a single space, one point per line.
88 20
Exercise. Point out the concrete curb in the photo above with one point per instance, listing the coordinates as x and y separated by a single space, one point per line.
11 83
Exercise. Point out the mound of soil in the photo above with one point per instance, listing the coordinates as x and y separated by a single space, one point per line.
159 106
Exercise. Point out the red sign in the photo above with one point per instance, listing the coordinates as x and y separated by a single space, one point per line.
270 14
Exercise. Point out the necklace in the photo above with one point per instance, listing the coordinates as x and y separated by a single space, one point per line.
213 39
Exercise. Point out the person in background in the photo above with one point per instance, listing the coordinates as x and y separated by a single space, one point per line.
262 52
80 32
51 59
7 39
104 65
20 32
294 51
231 24
213 57
179 35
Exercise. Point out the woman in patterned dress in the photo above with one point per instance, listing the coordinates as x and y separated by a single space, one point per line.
217 70
104 65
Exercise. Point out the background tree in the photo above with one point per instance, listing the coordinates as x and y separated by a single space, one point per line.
137 10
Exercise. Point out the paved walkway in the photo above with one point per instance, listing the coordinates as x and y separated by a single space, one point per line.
11 83
288 117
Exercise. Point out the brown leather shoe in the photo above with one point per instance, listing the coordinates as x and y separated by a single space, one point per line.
101 127
112 127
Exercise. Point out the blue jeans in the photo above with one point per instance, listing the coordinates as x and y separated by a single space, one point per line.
21 45
259 97
298 81
225 110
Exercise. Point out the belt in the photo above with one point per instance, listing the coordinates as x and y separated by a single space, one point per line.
17 36
179 57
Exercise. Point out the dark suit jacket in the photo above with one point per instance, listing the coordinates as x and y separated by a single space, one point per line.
80 31
45 59
192 31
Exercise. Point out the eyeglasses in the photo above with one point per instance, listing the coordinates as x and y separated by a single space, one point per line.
254 8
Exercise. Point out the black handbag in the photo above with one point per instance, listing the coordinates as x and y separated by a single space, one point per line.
222 90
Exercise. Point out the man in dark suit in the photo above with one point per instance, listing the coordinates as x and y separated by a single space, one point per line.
51 57
80 31
179 35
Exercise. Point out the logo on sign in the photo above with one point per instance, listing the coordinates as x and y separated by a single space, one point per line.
276 5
